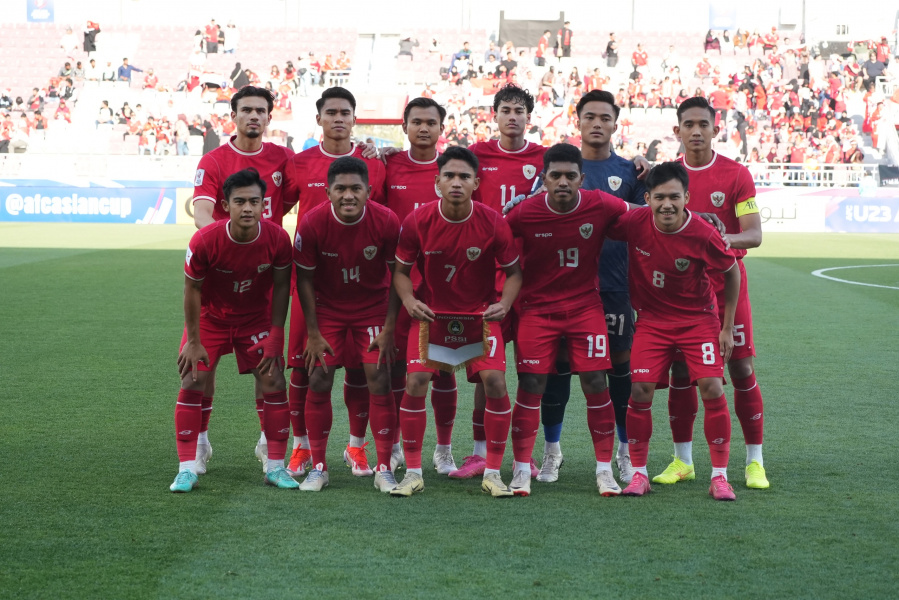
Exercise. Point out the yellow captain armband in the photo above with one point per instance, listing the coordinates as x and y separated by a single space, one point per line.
747 207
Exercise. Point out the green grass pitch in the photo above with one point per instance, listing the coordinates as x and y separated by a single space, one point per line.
91 318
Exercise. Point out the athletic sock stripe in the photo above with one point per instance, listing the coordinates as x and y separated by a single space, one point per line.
493 412
530 407
208 408
402 389
274 403
408 410
364 385
628 374
752 388
300 387
473 424
674 387
186 404
603 406
640 409
436 390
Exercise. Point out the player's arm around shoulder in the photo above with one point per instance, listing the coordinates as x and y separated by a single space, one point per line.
206 187
731 295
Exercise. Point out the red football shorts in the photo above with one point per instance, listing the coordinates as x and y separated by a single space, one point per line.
743 346
655 345
220 339
585 334
494 360
350 337
296 340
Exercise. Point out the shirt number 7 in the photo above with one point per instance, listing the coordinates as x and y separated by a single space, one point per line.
451 273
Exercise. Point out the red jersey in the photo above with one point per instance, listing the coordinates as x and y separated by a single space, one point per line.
505 174
669 272
306 178
216 166
237 276
409 183
352 276
457 259
560 251
640 58
721 187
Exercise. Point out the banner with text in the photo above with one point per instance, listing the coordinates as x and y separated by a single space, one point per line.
144 206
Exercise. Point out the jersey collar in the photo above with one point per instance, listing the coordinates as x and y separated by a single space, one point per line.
328 154
702 168
258 233
503 150
552 210
684 226
241 152
421 162
440 210
344 223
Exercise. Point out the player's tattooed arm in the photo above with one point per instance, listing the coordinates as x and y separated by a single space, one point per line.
731 295
316 345
193 352
511 287
402 283
272 346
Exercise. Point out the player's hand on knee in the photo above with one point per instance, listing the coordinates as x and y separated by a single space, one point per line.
316 349
387 350
726 341
495 312
419 311
272 348
191 355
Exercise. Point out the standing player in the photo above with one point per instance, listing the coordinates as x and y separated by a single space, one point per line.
306 185
508 168
606 171
236 290
409 184
251 112
721 186
562 234
671 255
456 244
344 251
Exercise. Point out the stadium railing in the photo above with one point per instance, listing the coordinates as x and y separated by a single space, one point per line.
795 174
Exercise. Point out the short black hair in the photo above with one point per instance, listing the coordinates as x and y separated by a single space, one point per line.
695 102
598 96
347 165
249 91
457 153
422 102
514 94
244 178
563 153
335 92
665 172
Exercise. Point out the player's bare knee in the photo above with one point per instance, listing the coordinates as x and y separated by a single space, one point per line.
642 391
417 384
189 385
532 383
740 368
480 398
593 382
494 384
679 370
321 382
710 388
378 380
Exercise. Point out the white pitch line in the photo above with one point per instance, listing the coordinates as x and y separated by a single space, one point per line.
820 273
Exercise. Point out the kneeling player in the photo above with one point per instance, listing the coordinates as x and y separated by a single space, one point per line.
671 254
236 291
342 252
562 234
456 244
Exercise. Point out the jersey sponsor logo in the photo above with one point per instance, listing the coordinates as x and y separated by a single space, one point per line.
276 177
529 361
473 253
369 252
490 168
331 254
614 182
529 171
316 184
198 178
430 252
586 230
641 370
718 199
397 187
543 235
298 243
641 251
223 270
190 255
455 327
682 264
263 267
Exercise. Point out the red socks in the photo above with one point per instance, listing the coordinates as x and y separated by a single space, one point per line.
683 405
188 417
383 424
639 430
319 418
497 419
717 430
277 424
750 409
601 421
260 408
525 424
413 421
207 412
299 385
477 426
355 395
443 400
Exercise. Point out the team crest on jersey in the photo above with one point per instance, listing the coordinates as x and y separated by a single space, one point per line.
529 171
298 243
369 252
586 230
473 253
198 178
262 268
718 199
681 263
614 182
276 177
